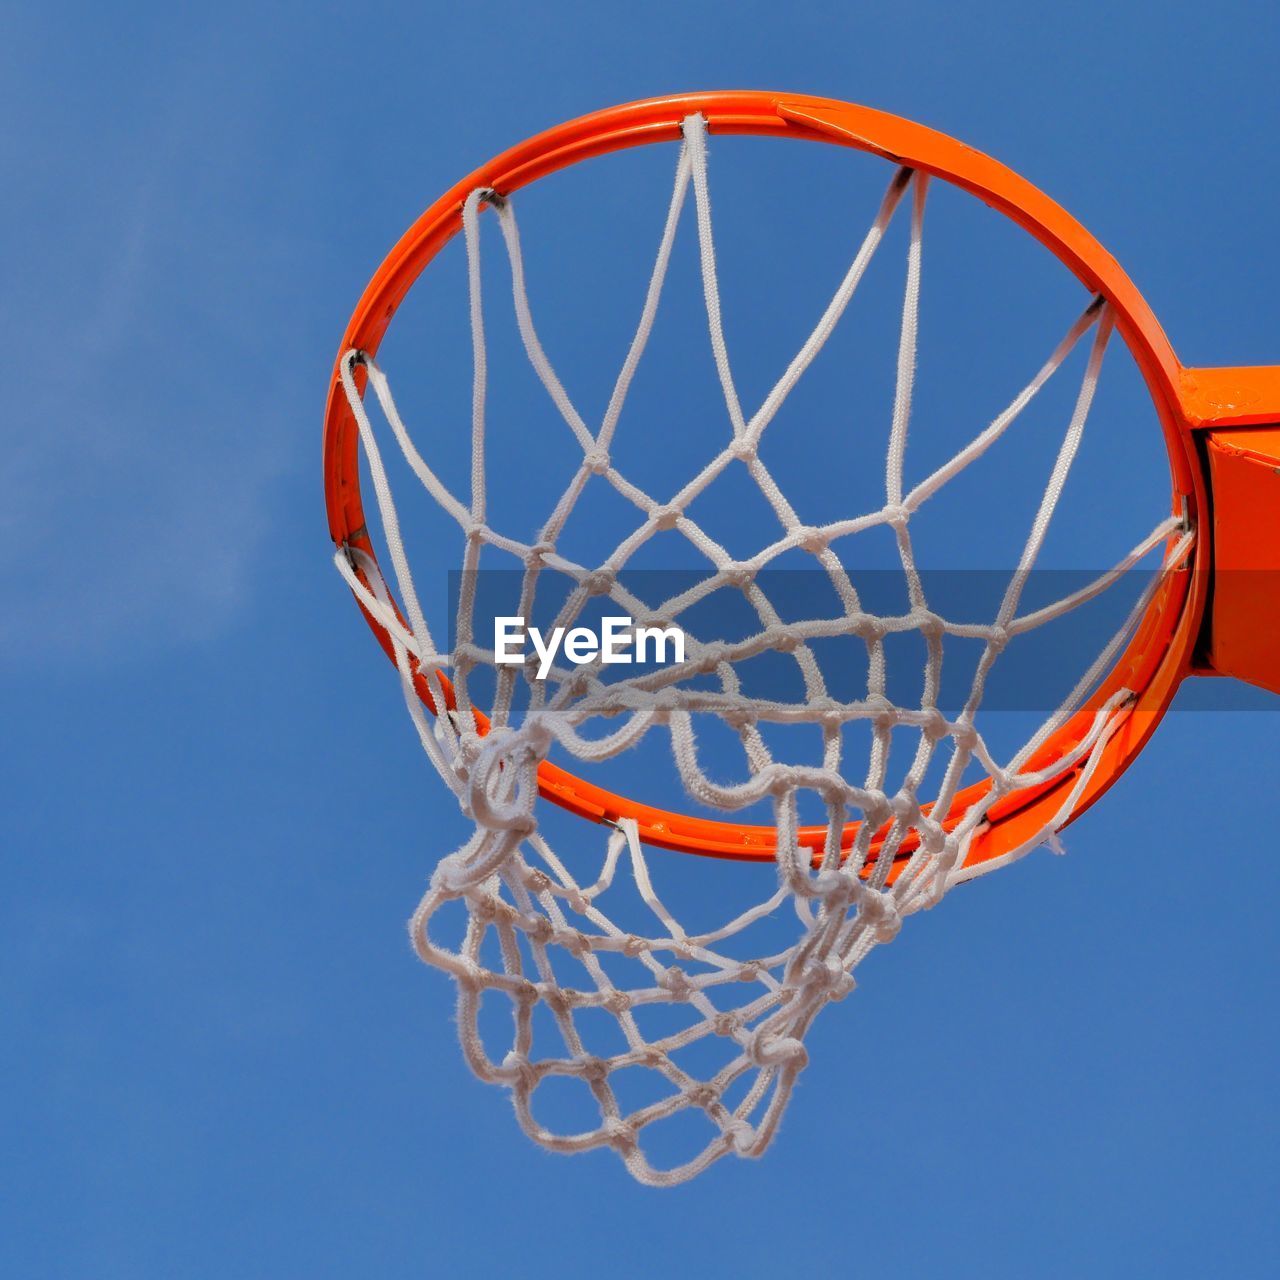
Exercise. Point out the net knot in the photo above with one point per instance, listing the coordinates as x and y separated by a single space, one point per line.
740 1137
928 623
557 999
520 1071
572 941
466 656
832 788
932 835
596 461
702 1095
830 713
998 637
904 806
536 881
726 1024
665 517
736 574
895 515
781 779
665 701
811 539
837 888
484 907
875 809
787 639
882 713
767 1049
591 1067
618 1002
600 582
540 929
443 882
745 449
711 657
828 977
934 725
879 912
676 981
535 735
869 628
964 734
620 1135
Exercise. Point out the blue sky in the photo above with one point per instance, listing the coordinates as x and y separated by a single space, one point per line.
219 1056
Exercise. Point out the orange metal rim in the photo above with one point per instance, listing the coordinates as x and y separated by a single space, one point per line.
1159 655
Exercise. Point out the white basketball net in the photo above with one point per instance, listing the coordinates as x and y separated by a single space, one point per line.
548 913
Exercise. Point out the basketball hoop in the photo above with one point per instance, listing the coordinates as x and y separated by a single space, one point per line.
882 852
